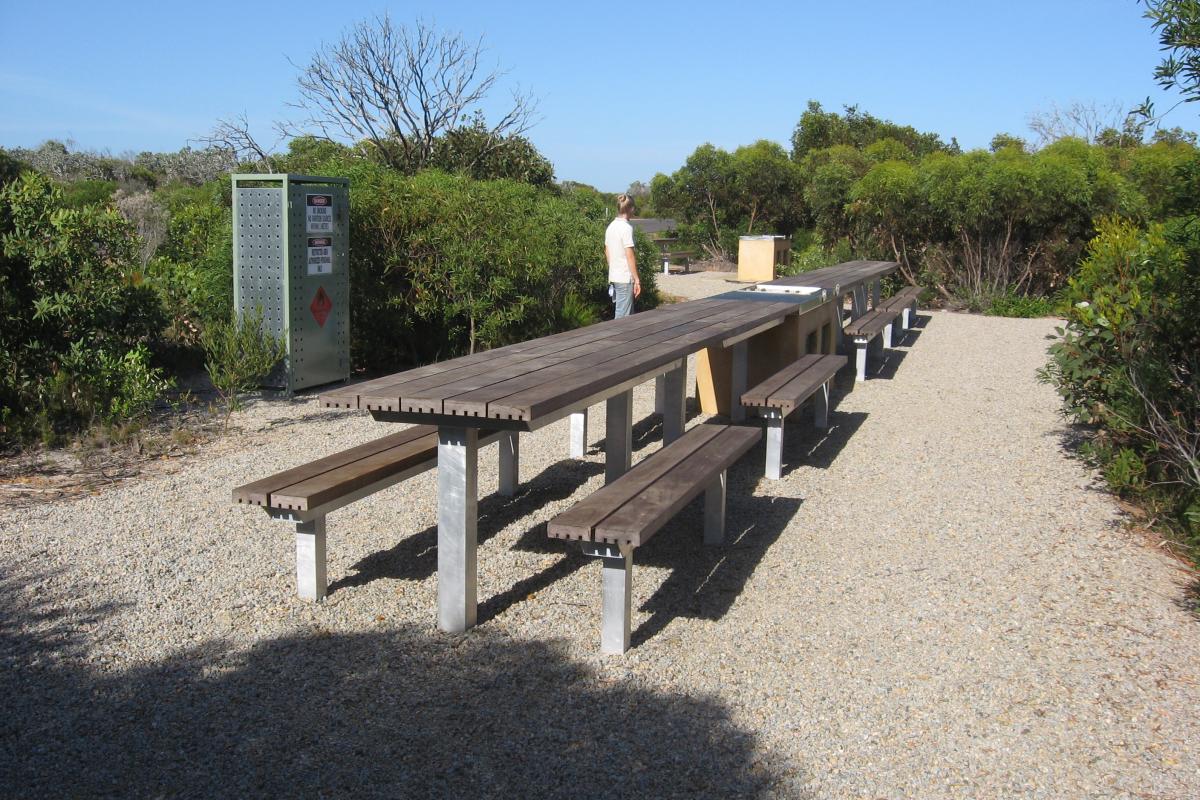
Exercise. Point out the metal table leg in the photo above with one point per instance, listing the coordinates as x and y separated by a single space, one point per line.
579 421
618 437
673 394
458 518
737 381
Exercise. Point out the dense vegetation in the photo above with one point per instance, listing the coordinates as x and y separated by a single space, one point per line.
116 274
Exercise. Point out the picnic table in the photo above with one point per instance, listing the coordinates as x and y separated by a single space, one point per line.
525 386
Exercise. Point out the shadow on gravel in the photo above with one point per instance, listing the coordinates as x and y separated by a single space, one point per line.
705 580
391 714
415 556
649 430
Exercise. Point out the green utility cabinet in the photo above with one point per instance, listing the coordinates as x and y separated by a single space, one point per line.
291 257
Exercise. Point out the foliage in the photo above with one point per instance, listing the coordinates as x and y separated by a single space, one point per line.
718 195
985 224
1177 23
74 313
442 264
820 130
239 354
1010 304
1128 361
78 194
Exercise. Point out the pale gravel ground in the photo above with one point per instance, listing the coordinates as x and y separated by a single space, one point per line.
935 601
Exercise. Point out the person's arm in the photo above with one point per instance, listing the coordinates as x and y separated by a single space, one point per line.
631 257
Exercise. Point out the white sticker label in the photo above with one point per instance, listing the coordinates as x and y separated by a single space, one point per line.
318 213
320 255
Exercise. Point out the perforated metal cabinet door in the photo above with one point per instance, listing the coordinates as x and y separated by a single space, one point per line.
258 268
320 336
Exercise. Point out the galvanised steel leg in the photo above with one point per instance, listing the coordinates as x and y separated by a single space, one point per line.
510 463
887 335
860 359
615 613
774 444
737 381
660 396
674 390
875 293
714 511
858 302
821 407
458 518
618 438
310 559
579 422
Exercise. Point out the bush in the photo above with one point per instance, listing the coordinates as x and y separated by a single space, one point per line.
1128 361
75 316
239 355
442 265
1011 304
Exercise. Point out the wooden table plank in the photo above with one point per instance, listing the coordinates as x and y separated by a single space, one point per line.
388 394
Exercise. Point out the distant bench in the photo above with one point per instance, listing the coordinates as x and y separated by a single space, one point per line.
866 330
307 493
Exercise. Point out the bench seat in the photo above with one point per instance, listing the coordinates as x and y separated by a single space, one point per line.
625 514
865 331
785 391
305 494
905 302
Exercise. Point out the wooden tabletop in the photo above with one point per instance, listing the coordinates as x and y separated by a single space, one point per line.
843 277
530 382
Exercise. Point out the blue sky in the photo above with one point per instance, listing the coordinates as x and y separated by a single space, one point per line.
625 90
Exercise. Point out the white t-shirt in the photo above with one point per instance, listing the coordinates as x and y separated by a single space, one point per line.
617 237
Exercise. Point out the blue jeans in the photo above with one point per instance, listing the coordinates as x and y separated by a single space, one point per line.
623 299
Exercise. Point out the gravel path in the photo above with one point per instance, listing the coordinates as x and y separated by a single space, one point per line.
935 601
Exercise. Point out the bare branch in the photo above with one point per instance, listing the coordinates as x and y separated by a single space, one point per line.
233 136
400 89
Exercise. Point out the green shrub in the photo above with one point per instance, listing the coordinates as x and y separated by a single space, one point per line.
75 314
1128 361
442 264
239 355
1012 304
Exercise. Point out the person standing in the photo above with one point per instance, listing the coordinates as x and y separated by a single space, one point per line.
623 282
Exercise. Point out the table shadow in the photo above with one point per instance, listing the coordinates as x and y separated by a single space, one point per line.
414 557
394 712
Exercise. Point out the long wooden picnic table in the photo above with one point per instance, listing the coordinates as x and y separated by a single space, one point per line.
525 386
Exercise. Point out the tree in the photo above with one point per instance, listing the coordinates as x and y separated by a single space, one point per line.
1087 121
818 129
1178 25
400 89
766 185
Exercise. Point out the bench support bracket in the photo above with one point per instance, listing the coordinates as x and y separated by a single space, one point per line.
618 595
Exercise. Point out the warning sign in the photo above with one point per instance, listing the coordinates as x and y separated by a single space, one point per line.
318 213
320 255
321 306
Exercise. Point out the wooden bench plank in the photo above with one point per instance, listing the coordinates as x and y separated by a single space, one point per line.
759 395
635 522
258 493
871 324
579 522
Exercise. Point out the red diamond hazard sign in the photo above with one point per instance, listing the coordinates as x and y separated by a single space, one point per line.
321 306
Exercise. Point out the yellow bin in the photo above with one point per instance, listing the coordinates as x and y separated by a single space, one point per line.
758 255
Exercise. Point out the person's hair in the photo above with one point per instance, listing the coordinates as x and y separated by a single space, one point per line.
624 204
